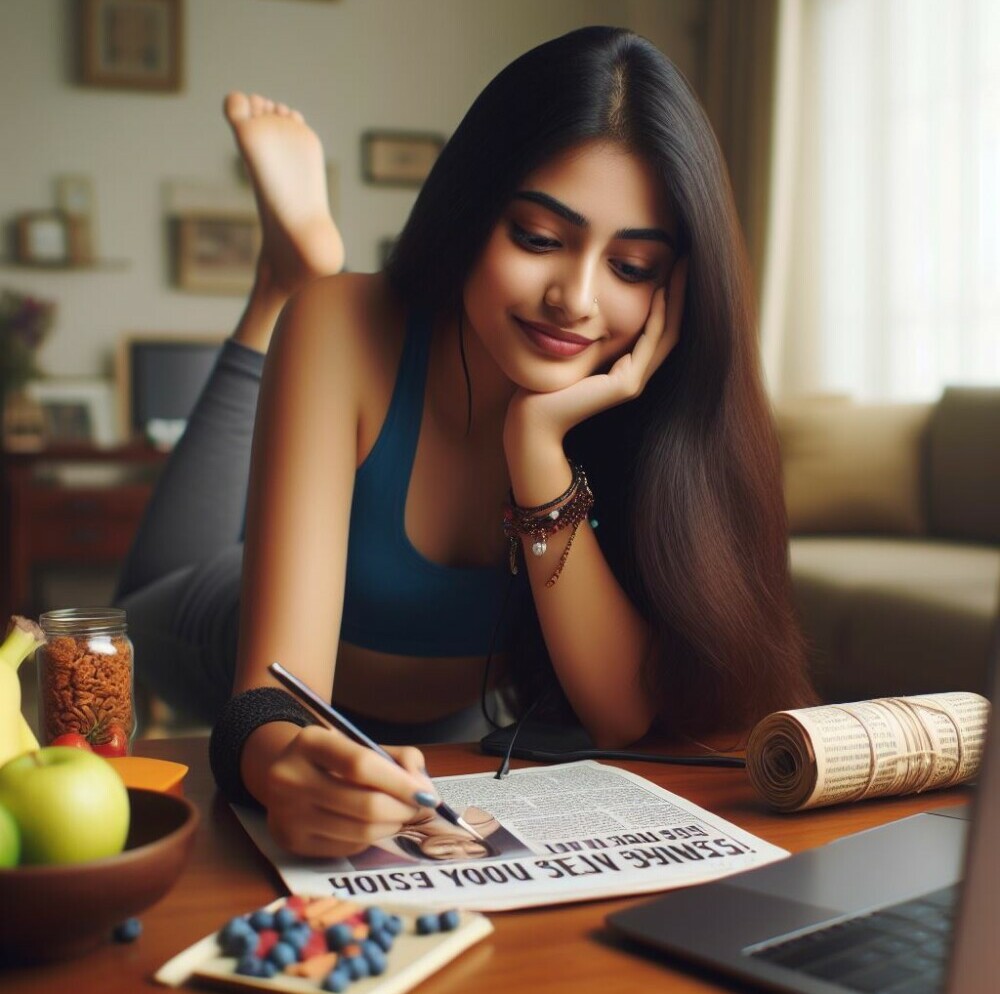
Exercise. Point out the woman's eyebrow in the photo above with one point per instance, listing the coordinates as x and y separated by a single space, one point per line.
577 219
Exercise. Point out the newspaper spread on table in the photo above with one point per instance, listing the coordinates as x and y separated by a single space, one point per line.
554 834
846 752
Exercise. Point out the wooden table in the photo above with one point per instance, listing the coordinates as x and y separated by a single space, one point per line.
564 948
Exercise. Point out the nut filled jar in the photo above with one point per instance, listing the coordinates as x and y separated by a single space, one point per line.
85 678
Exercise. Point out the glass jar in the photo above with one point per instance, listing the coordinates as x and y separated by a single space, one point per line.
85 678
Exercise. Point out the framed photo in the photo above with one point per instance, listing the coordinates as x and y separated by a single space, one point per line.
43 238
51 238
216 252
76 411
132 44
398 158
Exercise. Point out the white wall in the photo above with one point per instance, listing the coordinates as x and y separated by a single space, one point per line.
349 65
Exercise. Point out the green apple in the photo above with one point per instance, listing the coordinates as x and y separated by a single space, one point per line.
10 839
70 805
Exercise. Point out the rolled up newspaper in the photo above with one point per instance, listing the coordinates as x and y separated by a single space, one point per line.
847 752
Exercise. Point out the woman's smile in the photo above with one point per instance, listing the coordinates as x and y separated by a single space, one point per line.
553 341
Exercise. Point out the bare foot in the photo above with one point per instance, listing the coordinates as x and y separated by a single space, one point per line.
284 158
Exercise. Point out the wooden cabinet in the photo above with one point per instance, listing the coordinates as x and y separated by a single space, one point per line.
68 505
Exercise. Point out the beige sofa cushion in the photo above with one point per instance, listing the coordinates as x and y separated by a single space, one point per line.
895 616
853 468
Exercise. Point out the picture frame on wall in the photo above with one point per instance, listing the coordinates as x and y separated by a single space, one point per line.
132 44
399 158
216 252
50 238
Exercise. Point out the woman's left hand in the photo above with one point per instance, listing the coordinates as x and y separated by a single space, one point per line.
552 415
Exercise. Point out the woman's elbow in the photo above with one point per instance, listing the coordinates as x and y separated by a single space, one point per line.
619 731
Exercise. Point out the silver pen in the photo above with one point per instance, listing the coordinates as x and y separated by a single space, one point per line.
316 704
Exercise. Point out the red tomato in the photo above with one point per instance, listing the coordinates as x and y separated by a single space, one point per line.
115 742
73 739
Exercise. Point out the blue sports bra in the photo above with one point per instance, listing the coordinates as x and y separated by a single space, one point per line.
395 599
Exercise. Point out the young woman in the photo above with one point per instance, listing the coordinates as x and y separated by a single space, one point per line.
556 374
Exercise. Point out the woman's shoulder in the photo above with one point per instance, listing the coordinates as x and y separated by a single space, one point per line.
355 316
361 303
352 327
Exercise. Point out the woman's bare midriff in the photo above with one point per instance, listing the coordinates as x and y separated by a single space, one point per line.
405 688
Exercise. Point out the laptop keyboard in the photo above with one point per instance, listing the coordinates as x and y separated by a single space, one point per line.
901 949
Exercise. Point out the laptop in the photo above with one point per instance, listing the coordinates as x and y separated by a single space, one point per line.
884 910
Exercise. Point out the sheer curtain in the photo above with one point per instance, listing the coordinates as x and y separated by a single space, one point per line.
885 278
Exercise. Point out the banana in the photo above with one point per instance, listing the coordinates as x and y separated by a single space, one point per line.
28 741
23 637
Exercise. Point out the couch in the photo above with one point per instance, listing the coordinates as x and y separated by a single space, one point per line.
894 511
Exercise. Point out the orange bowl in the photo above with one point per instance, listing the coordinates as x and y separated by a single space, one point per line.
150 774
55 912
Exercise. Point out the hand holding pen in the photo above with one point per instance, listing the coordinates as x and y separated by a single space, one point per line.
333 719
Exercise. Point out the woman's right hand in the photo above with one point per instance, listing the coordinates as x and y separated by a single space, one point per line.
329 796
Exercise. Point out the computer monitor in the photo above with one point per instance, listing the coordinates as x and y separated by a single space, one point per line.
161 377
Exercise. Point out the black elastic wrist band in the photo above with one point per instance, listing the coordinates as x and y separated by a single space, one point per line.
242 715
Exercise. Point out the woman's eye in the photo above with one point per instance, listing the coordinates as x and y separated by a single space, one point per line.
531 241
632 273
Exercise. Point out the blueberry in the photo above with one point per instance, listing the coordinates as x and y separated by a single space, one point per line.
234 925
394 924
428 924
337 980
448 920
372 952
128 930
382 937
295 937
262 919
249 966
338 936
284 918
375 917
282 954
240 943
267 969
357 967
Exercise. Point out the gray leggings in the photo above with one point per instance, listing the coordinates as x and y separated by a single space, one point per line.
180 584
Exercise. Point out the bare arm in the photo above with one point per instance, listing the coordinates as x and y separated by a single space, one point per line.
324 794
596 638
298 507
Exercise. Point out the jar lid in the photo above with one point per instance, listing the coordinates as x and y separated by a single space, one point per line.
83 620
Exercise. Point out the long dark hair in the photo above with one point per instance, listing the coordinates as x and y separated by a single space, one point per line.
687 477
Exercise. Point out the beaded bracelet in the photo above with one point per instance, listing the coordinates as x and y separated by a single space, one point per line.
568 510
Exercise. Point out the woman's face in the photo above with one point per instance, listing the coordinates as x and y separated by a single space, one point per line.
564 284
445 846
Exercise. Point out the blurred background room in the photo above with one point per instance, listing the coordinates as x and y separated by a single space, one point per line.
863 142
